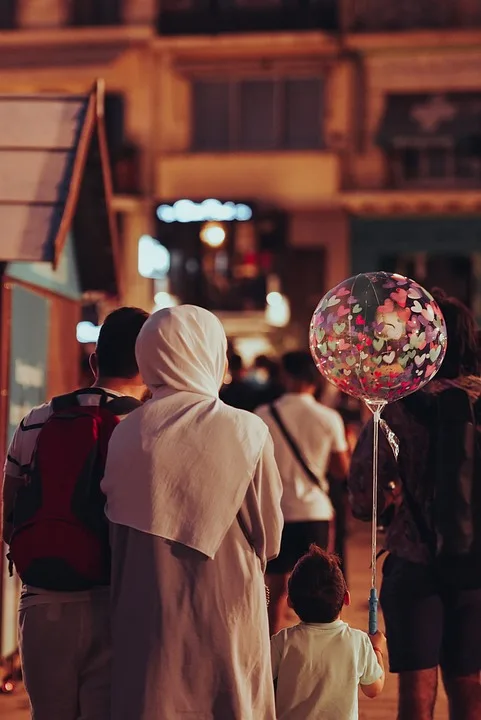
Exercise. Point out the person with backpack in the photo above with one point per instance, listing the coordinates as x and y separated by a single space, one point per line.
309 442
430 477
55 526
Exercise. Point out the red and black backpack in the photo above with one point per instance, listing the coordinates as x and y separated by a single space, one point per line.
60 533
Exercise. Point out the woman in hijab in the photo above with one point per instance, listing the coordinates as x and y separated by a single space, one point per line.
193 496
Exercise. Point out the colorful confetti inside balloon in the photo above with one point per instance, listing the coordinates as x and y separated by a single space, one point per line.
378 337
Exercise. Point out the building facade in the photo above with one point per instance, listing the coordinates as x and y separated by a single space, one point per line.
349 129
358 123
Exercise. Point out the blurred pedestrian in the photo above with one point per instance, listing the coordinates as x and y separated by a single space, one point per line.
310 442
193 496
431 587
54 522
267 376
239 392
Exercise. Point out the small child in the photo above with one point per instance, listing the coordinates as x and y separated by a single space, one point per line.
319 663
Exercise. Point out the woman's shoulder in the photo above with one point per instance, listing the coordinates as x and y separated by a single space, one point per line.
243 417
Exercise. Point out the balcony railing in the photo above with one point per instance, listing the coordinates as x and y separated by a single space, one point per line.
403 15
189 17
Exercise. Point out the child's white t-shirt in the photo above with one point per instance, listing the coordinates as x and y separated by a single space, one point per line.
318 668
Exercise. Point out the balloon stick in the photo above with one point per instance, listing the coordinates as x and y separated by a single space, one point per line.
376 408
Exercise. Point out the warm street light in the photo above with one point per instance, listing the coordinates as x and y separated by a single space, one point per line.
212 234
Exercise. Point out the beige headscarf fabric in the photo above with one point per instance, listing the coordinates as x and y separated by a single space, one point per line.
179 467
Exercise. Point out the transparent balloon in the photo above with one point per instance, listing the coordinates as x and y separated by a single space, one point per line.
378 336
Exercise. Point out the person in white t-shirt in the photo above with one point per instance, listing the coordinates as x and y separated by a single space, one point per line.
309 443
319 664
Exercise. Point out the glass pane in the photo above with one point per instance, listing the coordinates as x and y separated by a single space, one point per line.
211 115
411 164
437 162
303 111
257 121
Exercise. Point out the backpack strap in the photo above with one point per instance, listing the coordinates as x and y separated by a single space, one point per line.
295 448
117 404
63 402
123 405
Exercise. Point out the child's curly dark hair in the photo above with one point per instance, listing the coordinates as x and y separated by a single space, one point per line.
317 587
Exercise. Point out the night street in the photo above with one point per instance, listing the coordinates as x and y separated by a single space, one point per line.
15 707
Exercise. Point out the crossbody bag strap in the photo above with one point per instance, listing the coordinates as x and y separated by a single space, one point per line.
295 449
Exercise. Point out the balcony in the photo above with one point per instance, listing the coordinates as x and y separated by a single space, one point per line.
289 180
201 17
407 15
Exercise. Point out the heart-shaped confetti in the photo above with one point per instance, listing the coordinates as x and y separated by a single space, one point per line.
388 359
417 307
339 328
360 320
332 344
414 293
378 344
419 359
351 361
428 313
342 310
399 296
364 355
333 301
343 345
377 359
347 371
434 353
357 308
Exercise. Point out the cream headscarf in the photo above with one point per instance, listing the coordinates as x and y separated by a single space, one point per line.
179 467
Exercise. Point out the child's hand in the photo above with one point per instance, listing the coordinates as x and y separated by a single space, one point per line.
379 642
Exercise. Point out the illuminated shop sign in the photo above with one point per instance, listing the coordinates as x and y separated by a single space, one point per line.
187 211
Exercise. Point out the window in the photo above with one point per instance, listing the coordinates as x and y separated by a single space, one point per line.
95 12
211 115
437 165
8 14
185 17
257 114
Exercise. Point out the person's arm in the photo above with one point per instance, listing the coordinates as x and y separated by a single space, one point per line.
12 480
374 666
360 475
10 489
338 468
276 653
261 515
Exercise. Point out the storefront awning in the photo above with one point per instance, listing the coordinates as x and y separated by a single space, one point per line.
54 179
427 119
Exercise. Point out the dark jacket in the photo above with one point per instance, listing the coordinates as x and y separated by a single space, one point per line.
413 422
